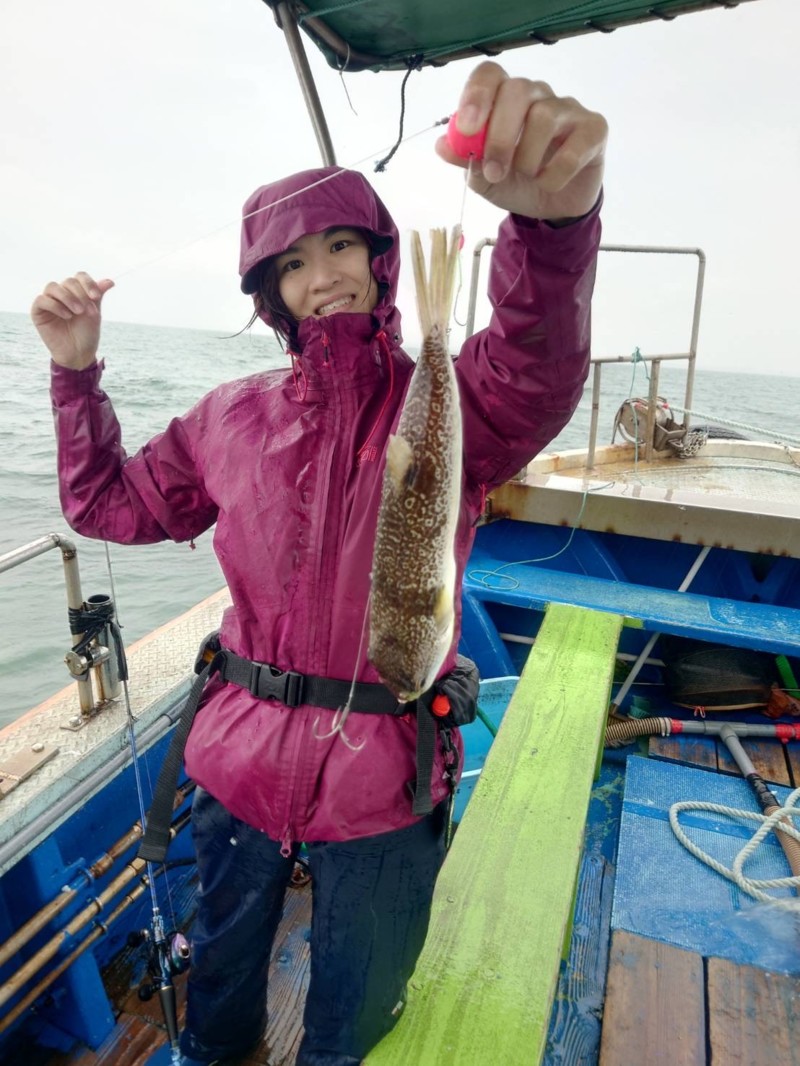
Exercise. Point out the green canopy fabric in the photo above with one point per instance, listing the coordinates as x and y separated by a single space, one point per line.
395 34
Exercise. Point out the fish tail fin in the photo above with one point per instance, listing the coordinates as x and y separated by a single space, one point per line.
435 286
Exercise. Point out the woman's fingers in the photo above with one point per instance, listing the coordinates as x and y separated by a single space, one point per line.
67 317
559 139
478 97
516 102
75 295
543 154
581 148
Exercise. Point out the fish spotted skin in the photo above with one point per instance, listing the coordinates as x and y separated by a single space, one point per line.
414 571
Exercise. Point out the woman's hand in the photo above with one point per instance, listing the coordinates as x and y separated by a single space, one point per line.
544 153
67 316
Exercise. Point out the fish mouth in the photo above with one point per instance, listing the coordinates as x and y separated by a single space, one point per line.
333 306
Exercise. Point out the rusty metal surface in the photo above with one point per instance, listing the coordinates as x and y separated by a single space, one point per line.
16 768
700 501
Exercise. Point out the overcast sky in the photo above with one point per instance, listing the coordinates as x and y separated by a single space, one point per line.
131 130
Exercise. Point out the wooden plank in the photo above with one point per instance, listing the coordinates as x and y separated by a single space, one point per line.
793 758
654 1010
132 1043
690 750
574 1032
766 755
288 983
140 1030
484 985
752 1015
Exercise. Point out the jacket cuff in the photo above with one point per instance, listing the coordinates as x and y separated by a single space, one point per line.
560 238
66 384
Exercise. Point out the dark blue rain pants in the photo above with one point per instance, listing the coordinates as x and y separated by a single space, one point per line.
371 905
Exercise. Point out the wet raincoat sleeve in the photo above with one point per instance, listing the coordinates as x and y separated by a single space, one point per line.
157 494
521 378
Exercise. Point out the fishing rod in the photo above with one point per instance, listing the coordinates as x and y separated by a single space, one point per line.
168 956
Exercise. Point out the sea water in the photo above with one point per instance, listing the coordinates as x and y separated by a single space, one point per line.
153 374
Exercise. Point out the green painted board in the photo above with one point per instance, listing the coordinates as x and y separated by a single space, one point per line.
484 985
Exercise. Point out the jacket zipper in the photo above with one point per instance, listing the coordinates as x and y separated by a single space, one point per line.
332 460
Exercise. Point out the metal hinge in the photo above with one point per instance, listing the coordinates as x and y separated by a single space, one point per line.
17 768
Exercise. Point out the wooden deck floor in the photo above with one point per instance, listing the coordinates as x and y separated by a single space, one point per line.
662 1004
140 1027
667 1005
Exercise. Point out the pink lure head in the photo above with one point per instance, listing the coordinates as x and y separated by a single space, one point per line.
465 146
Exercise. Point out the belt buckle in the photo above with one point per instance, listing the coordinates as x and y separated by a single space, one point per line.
269 683
293 691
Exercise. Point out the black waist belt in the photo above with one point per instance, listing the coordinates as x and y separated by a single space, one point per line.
266 682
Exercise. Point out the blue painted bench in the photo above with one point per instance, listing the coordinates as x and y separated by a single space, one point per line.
760 626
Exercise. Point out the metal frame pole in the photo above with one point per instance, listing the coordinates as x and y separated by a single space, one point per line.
288 24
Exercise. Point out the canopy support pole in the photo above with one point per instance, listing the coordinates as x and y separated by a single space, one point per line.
296 50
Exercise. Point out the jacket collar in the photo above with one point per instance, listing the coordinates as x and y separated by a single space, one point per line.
343 352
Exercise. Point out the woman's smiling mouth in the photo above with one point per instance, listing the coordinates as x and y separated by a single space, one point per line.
334 305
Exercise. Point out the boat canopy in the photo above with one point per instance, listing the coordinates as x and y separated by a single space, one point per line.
400 34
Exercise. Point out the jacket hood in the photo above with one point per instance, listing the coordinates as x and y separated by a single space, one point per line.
277 215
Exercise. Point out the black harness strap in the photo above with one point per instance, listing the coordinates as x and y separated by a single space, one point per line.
426 744
155 841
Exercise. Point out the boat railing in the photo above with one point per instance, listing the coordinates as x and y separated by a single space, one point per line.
99 658
655 361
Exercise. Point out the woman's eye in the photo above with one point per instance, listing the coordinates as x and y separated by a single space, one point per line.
338 246
292 264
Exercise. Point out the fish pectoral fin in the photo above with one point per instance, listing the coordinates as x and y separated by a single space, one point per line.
443 604
400 463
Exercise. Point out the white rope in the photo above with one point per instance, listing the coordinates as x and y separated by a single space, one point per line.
752 887
738 425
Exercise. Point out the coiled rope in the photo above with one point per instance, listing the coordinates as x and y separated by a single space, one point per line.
751 886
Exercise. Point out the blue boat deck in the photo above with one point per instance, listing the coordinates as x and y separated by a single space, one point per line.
622 993
702 1010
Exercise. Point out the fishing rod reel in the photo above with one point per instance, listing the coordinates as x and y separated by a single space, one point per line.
166 958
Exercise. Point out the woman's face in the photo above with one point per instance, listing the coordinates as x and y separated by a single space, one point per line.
327 273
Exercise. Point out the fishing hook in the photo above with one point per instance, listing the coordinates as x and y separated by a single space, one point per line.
339 719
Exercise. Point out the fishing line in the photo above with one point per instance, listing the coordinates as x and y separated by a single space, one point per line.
131 727
342 713
266 207
166 987
151 877
483 577
467 176
134 751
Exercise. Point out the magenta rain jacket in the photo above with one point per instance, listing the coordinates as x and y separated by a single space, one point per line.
289 467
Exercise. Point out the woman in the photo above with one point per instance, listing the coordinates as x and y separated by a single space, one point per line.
289 467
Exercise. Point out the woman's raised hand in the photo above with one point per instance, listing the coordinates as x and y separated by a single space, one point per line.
544 154
67 317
